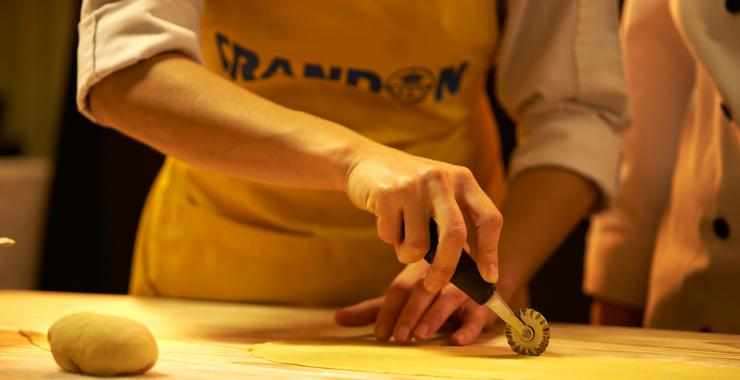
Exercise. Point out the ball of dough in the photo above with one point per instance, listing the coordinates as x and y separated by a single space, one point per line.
102 345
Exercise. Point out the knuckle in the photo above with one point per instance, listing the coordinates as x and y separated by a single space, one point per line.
495 219
444 272
467 182
435 174
412 313
486 257
490 216
406 183
456 233
436 315
401 187
465 174
383 193
487 250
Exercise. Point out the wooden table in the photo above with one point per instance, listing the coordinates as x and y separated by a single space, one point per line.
209 340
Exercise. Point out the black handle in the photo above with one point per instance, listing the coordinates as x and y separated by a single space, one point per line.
466 276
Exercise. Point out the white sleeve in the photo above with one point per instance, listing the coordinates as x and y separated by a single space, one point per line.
116 34
660 77
559 76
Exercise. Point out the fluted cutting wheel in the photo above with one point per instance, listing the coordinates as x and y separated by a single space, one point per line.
535 344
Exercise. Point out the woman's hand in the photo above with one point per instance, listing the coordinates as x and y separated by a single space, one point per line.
404 191
408 310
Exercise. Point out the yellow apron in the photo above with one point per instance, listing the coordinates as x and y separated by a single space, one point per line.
408 74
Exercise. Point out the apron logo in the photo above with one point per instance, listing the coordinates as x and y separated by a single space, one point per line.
408 85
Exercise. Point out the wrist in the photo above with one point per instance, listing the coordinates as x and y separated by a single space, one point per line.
357 157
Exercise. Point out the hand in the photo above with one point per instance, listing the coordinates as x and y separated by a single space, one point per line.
404 191
409 310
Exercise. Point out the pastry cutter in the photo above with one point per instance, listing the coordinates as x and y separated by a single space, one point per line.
527 331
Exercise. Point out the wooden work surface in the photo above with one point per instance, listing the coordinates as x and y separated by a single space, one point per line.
209 340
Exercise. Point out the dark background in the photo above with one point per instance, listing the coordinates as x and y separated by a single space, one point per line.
102 178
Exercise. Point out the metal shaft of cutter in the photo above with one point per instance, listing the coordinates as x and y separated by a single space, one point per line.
504 312
468 279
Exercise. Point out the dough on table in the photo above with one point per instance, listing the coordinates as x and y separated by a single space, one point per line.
479 363
102 345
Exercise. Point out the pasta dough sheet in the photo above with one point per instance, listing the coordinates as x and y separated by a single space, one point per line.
478 363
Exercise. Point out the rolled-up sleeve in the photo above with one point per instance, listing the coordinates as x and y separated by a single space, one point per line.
117 34
559 76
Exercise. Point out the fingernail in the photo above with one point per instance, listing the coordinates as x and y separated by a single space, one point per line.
421 332
403 334
432 286
383 332
492 273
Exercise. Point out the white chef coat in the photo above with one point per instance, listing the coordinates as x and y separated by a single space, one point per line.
671 242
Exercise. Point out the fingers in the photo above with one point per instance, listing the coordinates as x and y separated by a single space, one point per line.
389 221
452 234
403 220
450 298
424 314
361 314
393 305
488 221
416 240
409 311
416 306
474 318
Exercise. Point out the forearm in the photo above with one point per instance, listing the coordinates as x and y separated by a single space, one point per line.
542 208
185 111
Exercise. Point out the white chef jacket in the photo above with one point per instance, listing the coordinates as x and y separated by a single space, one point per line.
671 242
559 76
